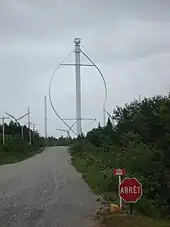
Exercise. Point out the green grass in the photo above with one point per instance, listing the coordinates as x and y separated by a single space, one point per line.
99 179
112 220
13 157
17 149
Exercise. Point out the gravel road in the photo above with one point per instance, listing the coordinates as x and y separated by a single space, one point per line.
45 190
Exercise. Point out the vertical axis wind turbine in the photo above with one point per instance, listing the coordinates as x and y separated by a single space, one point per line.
77 65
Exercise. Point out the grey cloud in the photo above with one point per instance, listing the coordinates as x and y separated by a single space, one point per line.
146 10
129 41
24 19
132 40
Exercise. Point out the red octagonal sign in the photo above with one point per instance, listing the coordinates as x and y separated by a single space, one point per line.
130 190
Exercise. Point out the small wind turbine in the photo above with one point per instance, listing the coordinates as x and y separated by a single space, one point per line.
17 120
67 131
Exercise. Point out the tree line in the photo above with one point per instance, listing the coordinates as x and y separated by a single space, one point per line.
17 142
15 129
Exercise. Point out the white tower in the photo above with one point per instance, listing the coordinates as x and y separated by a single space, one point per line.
78 85
45 115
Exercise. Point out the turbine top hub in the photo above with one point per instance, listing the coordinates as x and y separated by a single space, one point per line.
77 41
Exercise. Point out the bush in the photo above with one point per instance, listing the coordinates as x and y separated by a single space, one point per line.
140 143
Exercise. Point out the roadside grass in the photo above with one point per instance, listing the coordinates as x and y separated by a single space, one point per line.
13 157
97 178
113 220
16 149
102 182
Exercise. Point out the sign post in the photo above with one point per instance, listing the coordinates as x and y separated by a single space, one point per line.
130 190
119 173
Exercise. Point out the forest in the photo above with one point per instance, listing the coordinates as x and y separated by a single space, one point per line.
139 141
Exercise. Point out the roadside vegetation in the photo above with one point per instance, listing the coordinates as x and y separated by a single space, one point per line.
17 148
139 141
110 220
61 141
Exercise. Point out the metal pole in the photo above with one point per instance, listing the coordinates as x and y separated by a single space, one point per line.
45 111
22 132
120 180
3 130
29 126
112 121
139 98
33 131
104 117
78 85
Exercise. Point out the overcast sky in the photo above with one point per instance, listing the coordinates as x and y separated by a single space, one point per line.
129 40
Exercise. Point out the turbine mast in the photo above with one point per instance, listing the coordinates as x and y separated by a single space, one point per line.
78 85
45 115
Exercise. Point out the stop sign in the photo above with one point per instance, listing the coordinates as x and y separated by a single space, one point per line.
130 190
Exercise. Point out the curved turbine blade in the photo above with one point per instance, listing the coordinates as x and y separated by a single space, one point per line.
62 130
22 117
11 116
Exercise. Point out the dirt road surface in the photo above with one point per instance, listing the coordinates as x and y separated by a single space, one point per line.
45 191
